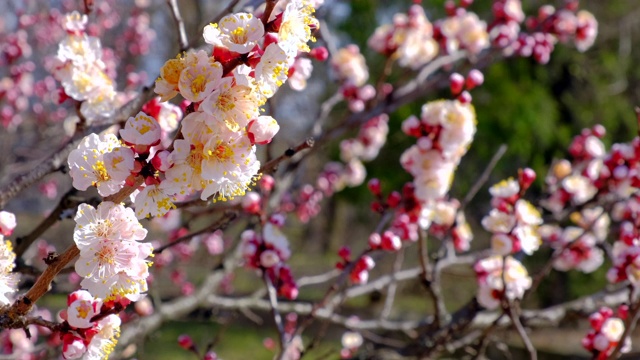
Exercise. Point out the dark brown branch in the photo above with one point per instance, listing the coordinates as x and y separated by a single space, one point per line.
23 305
273 164
55 265
269 6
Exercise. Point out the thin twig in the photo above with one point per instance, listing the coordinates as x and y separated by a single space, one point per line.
59 157
220 224
428 277
325 110
183 41
515 319
391 292
273 300
484 176
68 201
482 345
273 164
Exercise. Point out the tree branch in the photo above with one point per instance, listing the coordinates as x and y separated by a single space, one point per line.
183 41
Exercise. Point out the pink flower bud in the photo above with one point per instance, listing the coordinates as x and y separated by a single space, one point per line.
623 311
289 291
143 307
596 320
160 160
367 262
599 131
390 241
210 355
606 312
474 78
394 199
456 83
525 178
73 347
377 207
269 344
374 186
344 253
185 342
450 7
262 130
187 289
466 3
266 183
359 277
320 53
464 97
7 223
277 219
252 202
374 241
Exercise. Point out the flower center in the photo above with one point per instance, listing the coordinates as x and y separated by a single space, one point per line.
198 85
225 102
100 172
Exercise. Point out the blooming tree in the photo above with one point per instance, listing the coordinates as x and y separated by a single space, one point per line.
196 146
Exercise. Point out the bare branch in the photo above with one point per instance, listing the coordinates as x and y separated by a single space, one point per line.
220 224
515 319
269 6
183 42
484 176
273 164
273 302
391 292
68 201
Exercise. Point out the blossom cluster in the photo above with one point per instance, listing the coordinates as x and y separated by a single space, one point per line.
543 31
462 29
606 332
268 253
499 278
578 246
597 175
445 131
90 334
352 72
81 71
216 153
409 39
513 221
360 267
112 259
626 249
104 162
573 183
